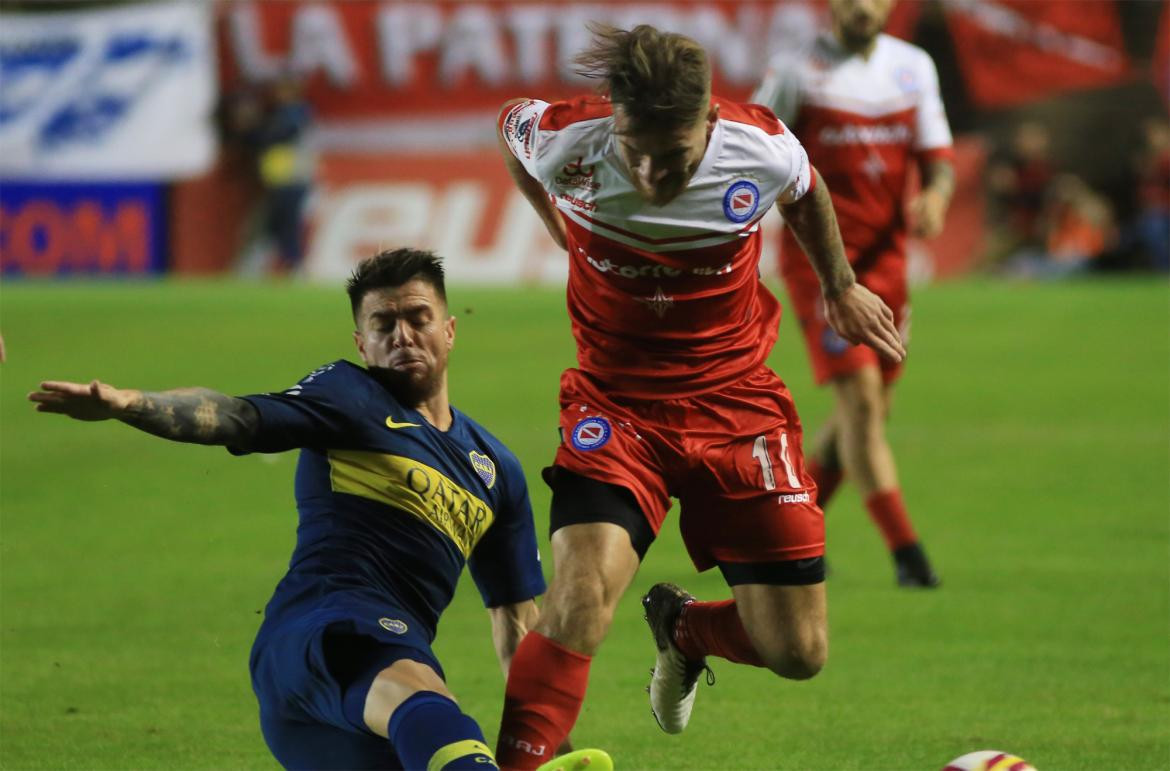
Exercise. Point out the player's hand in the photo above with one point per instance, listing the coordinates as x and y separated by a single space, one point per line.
927 212
860 316
1 349
95 401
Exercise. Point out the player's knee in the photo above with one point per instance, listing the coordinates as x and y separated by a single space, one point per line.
798 659
577 614
865 412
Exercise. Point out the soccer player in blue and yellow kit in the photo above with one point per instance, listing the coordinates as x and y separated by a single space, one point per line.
396 490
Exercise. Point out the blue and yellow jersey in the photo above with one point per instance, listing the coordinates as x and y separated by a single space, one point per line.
390 506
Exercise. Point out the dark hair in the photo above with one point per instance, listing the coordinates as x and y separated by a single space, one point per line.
658 78
393 268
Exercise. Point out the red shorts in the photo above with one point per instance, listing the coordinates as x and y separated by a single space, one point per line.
732 458
831 355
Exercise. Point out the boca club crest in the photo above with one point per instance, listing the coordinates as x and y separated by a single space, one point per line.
485 467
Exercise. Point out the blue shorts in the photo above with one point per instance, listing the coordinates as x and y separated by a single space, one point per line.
311 671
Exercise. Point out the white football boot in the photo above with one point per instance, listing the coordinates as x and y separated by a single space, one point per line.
674 680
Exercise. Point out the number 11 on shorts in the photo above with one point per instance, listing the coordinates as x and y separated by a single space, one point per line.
760 453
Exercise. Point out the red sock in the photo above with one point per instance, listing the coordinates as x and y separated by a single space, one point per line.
546 685
888 511
827 480
714 629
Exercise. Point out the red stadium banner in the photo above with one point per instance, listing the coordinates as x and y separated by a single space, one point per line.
466 207
1015 51
370 64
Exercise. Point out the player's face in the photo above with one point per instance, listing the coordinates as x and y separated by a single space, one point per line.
662 162
858 22
404 336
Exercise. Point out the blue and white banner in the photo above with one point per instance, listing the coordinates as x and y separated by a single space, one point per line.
108 93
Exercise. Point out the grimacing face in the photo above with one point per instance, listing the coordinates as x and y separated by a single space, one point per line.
404 335
662 161
858 22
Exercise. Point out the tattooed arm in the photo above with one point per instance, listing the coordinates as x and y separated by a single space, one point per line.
197 415
853 311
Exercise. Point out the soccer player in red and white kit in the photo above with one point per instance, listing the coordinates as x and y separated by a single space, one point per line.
867 107
656 190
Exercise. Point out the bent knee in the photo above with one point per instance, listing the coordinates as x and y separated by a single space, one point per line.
577 616
800 661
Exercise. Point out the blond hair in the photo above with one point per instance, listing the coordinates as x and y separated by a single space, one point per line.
657 78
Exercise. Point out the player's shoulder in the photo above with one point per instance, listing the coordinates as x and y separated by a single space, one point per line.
750 116
903 51
562 115
339 375
792 59
490 441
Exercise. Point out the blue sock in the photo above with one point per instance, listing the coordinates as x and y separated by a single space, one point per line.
430 732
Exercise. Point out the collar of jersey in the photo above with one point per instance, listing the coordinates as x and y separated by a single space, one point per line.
709 157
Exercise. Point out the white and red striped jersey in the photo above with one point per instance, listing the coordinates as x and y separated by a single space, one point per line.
863 121
665 301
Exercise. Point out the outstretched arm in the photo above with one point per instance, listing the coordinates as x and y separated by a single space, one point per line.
197 415
856 314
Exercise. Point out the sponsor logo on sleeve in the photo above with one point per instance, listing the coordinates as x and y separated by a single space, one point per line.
590 433
309 378
394 625
741 201
520 128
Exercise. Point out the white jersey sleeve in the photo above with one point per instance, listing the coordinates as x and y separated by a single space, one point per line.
518 127
779 91
799 180
933 131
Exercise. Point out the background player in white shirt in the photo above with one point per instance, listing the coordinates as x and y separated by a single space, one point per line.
867 108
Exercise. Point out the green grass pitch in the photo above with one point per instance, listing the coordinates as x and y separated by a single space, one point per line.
1032 431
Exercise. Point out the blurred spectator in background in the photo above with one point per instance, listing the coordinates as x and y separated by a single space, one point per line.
1018 177
1076 225
1149 230
273 125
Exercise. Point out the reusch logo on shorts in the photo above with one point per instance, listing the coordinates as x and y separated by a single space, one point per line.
741 201
393 625
795 498
590 433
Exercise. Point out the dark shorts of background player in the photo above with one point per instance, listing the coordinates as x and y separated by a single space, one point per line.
732 457
311 672
832 356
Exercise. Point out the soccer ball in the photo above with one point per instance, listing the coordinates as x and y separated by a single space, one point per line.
989 760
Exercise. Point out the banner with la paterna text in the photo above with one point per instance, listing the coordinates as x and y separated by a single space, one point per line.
392 75
1016 51
124 92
